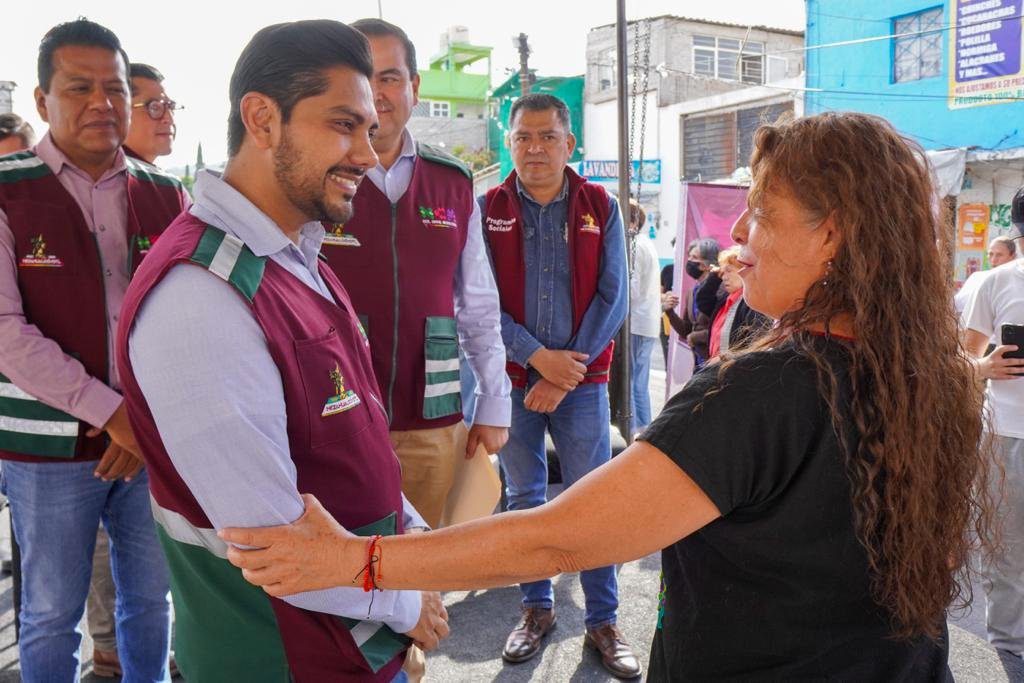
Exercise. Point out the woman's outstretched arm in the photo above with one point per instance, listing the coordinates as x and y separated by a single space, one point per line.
634 505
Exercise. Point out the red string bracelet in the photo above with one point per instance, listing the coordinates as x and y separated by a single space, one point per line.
369 580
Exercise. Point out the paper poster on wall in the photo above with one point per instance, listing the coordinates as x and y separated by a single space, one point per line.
972 239
972 227
985 53
968 263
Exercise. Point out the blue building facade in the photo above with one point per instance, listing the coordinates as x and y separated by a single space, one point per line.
911 79
947 73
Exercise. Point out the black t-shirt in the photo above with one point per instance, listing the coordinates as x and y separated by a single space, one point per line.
778 587
667 273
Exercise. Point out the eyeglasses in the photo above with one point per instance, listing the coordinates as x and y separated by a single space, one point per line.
157 108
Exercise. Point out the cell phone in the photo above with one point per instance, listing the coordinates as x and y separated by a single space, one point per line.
1013 334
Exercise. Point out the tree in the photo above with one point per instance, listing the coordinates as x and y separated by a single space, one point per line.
476 159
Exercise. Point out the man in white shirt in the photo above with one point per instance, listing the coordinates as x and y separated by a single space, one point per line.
999 300
1000 250
645 314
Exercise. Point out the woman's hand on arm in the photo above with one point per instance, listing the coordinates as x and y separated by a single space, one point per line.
308 554
636 504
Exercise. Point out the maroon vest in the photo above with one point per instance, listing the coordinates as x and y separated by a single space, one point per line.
343 457
503 227
398 262
60 275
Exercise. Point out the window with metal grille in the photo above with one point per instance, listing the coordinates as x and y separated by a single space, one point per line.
729 59
917 46
715 145
606 70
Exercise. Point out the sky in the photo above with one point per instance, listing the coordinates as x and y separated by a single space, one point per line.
195 44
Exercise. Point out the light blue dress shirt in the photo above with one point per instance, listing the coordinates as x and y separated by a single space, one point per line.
204 366
548 285
477 309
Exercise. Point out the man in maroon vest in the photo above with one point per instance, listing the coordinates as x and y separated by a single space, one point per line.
150 135
76 218
249 380
557 246
413 260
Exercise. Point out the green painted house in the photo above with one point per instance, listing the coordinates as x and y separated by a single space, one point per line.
452 87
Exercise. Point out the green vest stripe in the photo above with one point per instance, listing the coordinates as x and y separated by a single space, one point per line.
22 166
440 406
151 173
228 258
378 643
431 153
443 377
442 389
29 426
225 628
37 444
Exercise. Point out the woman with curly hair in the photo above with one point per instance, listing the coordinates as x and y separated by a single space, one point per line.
816 495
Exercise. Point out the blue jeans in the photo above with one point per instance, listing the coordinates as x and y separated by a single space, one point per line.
579 429
56 508
641 348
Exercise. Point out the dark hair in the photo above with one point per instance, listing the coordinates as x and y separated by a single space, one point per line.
286 62
536 101
138 70
12 125
381 28
707 247
636 213
81 32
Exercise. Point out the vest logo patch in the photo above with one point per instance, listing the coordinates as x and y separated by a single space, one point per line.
500 224
343 399
145 243
339 238
39 258
440 217
590 225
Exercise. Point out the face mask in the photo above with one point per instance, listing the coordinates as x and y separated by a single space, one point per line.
693 269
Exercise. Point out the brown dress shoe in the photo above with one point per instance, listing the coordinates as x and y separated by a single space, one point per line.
106 663
616 655
524 640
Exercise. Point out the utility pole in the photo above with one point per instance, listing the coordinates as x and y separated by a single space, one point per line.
524 69
622 375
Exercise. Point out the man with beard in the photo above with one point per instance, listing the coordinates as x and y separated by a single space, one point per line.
248 377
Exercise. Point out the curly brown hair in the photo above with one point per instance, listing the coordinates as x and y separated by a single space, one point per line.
920 473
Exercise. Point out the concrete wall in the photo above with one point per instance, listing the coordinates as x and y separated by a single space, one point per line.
662 141
450 133
672 45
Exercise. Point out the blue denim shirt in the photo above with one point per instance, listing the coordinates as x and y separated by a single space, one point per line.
548 294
